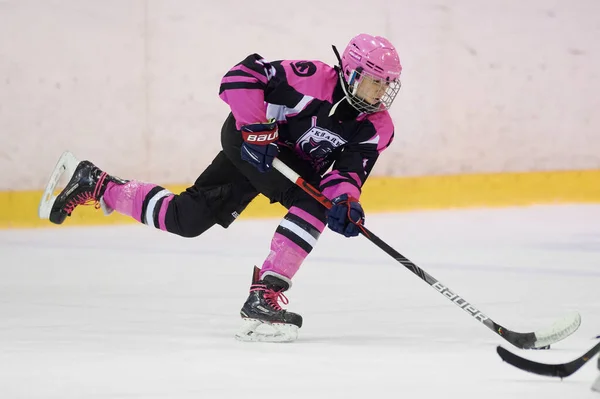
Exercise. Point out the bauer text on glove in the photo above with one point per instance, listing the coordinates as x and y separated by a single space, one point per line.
259 147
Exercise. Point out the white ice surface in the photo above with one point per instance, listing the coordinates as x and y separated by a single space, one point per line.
132 312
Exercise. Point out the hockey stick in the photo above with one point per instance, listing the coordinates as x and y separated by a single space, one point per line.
532 340
551 370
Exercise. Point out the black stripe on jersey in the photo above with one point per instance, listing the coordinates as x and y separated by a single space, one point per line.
250 62
238 72
304 225
156 210
241 85
332 183
294 238
335 182
147 199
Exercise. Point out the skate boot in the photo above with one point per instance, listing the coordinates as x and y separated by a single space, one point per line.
263 319
85 187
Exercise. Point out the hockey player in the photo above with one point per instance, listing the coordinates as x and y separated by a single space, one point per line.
306 113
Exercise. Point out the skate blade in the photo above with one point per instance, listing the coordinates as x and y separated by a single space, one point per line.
254 330
66 164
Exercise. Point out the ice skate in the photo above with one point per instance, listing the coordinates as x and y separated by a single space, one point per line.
86 186
263 319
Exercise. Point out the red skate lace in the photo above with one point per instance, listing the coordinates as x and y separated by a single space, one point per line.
86 198
271 297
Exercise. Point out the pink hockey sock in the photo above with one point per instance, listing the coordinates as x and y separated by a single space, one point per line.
294 238
138 200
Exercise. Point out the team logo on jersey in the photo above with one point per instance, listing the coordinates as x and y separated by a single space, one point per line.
304 68
317 148
317 143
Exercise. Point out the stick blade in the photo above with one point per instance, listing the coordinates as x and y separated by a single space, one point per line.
543 338
561 370
559 331
550 370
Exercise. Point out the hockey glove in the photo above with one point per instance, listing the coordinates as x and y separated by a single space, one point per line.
259 146
345 216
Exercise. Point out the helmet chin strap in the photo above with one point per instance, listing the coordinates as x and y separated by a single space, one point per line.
340 70
345 86
337 54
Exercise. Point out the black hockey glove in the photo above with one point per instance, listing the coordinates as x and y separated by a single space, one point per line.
259 147
345 216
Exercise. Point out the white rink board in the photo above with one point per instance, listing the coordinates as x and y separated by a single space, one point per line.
488 86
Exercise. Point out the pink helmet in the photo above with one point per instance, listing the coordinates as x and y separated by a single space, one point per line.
376 58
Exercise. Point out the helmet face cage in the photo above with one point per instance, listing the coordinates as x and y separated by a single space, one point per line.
369 93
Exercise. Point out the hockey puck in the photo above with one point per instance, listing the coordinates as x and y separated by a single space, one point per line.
542 348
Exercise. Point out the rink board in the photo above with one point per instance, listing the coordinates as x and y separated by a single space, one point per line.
380 194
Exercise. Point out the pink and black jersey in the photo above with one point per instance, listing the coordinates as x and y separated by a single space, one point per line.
307 100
